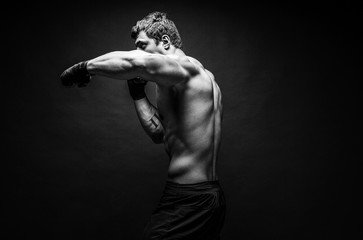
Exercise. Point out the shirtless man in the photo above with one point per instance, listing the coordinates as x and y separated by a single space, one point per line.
187 120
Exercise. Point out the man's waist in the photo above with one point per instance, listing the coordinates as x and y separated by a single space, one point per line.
191 171
198 187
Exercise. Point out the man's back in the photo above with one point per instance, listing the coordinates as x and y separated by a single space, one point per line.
191 113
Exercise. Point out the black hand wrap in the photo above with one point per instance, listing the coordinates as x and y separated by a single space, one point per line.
137 88
76 75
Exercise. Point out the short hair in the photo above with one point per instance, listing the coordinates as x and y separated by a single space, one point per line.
155 25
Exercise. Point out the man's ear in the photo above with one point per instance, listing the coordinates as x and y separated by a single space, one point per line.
166 41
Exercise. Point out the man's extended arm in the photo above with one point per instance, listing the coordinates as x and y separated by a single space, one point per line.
146 112
123 65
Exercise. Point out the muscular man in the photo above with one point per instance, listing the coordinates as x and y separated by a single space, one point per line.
187 120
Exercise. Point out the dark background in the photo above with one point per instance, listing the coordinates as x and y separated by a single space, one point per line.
79 166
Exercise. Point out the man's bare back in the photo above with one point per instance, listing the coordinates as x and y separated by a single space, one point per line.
191 114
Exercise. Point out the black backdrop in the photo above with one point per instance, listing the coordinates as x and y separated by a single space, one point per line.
79 166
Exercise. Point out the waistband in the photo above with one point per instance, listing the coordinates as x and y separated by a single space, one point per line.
207 186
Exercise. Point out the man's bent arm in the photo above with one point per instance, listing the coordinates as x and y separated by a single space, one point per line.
149 119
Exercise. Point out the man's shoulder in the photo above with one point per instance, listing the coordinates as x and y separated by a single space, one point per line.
200 66
200 76
195 62
203 79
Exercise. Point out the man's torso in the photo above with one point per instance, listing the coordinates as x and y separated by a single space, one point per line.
191 113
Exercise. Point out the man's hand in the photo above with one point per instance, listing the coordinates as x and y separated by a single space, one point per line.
76 75
137 88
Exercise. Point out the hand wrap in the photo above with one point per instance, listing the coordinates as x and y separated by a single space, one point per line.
76 75
137 88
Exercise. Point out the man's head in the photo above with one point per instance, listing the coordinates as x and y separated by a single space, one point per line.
158 27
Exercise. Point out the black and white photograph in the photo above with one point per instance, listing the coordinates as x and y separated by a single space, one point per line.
182 120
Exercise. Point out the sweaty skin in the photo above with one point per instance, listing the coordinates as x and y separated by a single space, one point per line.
188 115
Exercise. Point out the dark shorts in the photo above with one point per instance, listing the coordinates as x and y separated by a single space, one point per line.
188 212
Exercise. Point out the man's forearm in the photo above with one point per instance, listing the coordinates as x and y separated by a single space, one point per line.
149 119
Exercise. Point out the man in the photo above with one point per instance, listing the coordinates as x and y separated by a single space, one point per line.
187 120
